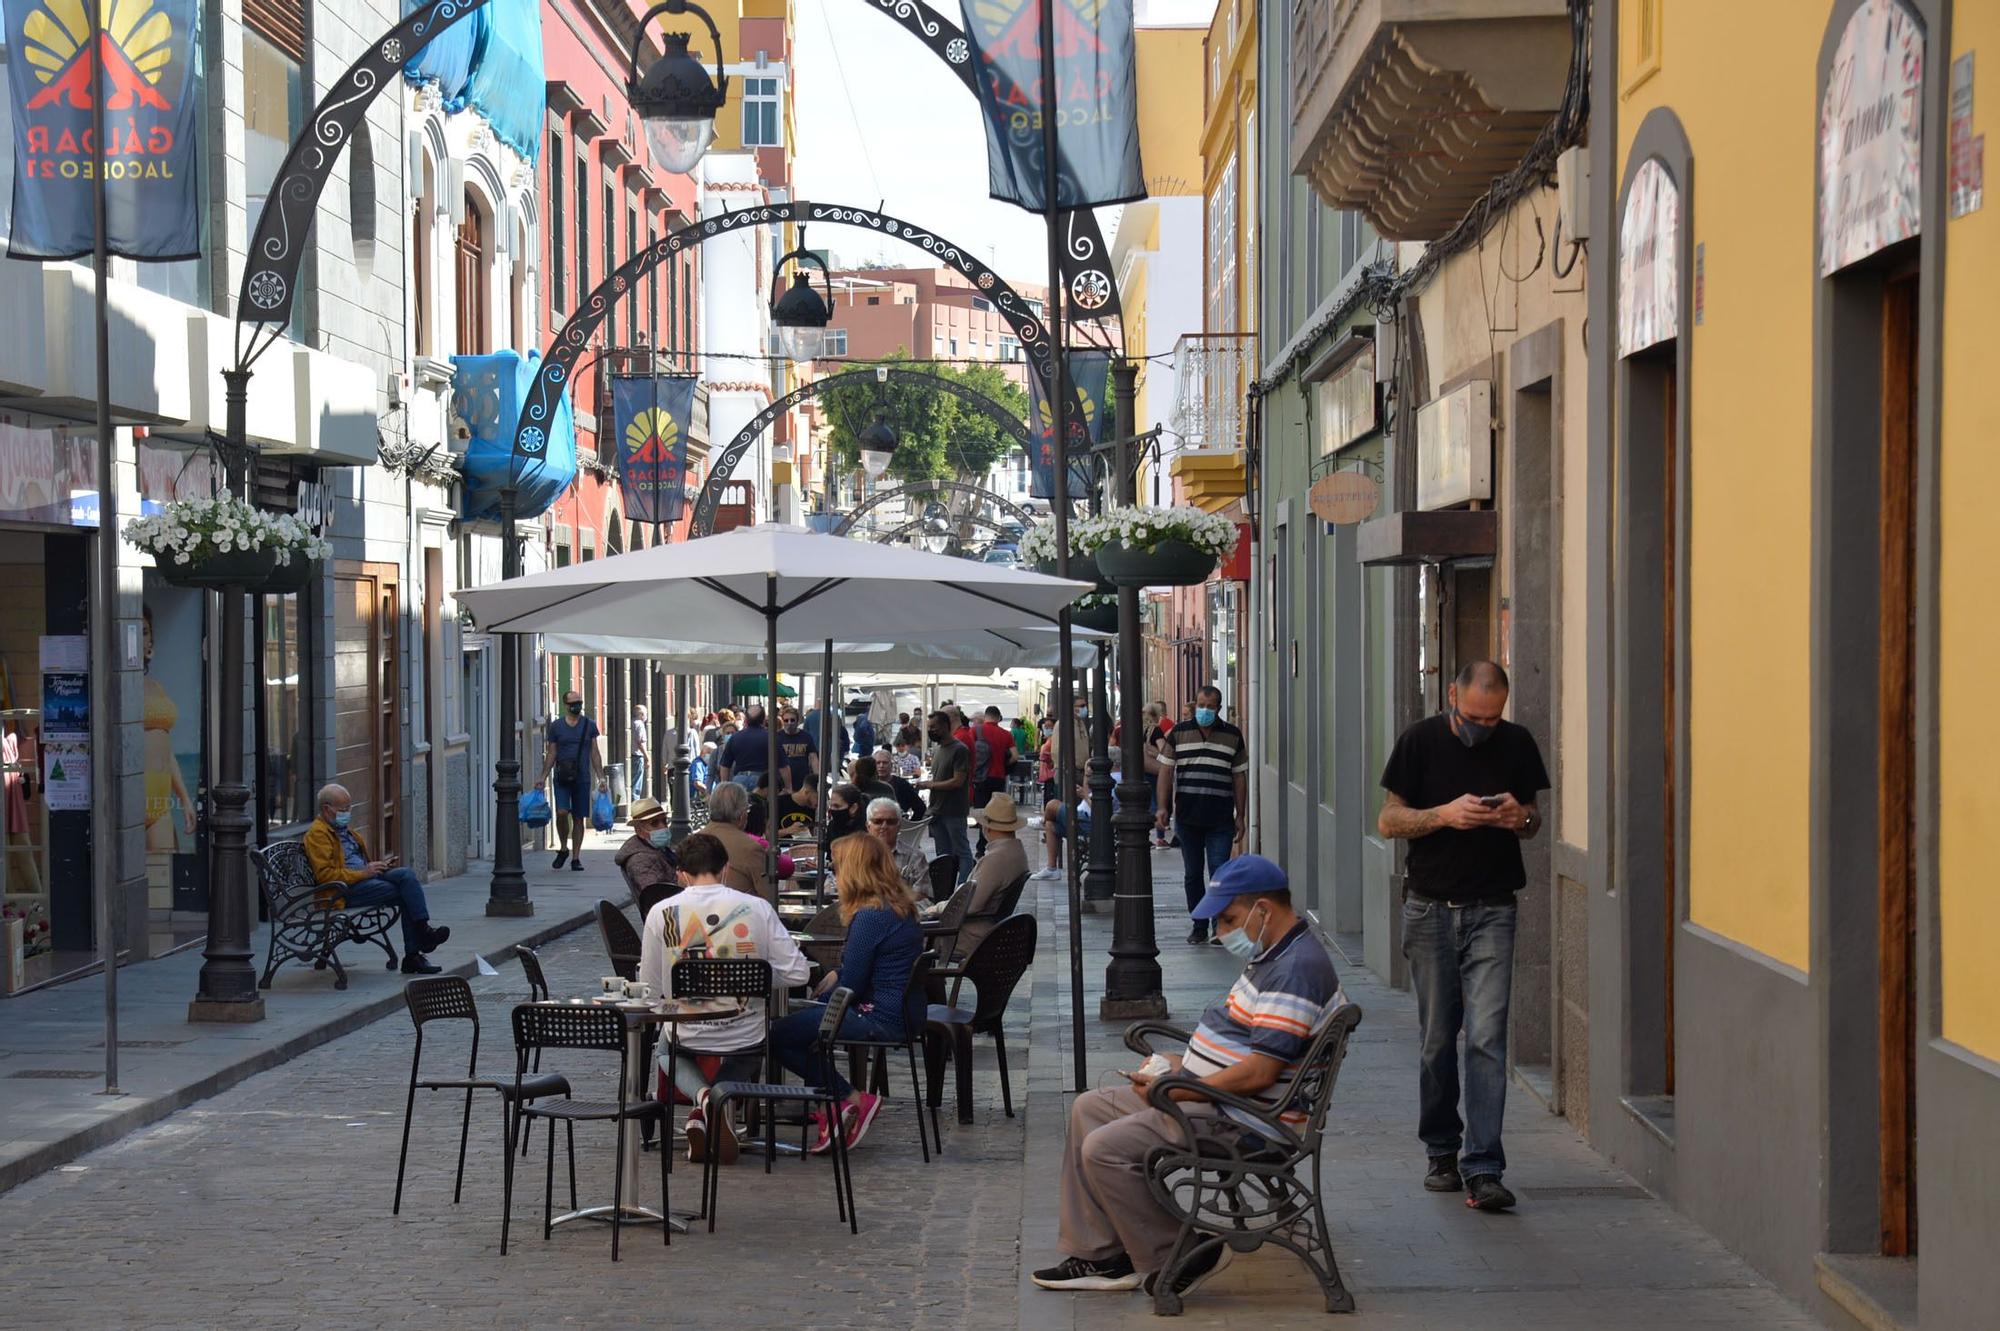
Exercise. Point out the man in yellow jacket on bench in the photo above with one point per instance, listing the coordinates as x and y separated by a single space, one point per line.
341 865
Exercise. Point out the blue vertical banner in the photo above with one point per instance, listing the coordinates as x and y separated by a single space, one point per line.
144 63
1096 100
650 415
1090 377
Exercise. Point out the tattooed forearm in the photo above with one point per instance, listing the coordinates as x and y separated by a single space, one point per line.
1400 820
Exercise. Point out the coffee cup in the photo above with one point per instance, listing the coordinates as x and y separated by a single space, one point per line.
613 984
638 989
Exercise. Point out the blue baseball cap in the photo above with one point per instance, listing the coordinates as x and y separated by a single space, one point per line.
1243 876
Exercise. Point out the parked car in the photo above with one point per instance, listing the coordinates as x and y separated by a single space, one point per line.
1002 553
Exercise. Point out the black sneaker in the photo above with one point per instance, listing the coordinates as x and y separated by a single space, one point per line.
1076 1273
561 857
577 864
1443 1175
1485 1192
420 966
1198 934
1194 1274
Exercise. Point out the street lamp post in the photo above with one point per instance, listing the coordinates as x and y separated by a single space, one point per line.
1132 987
1100 874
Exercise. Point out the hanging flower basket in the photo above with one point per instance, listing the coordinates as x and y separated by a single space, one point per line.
1098 613
226 542
1038 548
1158 547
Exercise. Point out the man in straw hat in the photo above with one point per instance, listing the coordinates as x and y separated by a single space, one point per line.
647 858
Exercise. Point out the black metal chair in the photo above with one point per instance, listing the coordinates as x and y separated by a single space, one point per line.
825 924
769 1095
912 1043
564 1026
744 978
995 969
621 940
647 898
1243 1185
538 992
310 920
449 998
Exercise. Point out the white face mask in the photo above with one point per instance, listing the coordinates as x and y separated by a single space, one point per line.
1238 942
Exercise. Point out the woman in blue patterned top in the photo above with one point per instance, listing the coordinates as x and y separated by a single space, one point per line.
883 941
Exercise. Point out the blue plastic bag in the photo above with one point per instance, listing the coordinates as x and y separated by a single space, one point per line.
535 811
601 811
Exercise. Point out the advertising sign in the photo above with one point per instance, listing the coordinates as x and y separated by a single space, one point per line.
1649 247
1090 376
1455 447
650 417
1871 125
143 64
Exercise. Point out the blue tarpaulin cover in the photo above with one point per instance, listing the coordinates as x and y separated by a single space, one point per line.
486 394
491 61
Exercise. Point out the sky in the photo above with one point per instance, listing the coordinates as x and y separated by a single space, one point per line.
885 124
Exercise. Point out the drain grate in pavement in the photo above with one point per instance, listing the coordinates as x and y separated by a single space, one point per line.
1622 1192
56 1074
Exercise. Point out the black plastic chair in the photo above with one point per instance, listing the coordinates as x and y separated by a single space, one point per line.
743 978
941 929
826 925
567 1026
974 927
944 876
647 898
449 998
911 1044
1248 1177
621 940
995 968
769 1095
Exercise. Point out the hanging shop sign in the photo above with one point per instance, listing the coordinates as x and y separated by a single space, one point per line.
1345 402
47 474
1871 124
1344 497
143 64
1649 241
1455 447
650 416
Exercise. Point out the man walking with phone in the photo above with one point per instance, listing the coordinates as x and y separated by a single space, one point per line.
1461 789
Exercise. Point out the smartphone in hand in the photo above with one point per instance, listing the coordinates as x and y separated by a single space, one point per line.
1493 801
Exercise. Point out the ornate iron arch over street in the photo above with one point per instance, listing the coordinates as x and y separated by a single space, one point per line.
538 404
966 489
723 469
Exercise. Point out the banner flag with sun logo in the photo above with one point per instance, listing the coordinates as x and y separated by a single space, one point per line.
651 415
145 63
1090 376
1097 100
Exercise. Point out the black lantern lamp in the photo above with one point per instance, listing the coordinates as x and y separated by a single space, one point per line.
801 314
677 99
878 446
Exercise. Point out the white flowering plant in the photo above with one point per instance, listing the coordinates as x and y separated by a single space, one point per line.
1144 527
1038 543
188 531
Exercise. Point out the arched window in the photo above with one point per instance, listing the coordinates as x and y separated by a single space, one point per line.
474 326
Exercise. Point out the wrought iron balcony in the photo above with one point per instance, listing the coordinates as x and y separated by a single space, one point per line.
1212 376
1405 110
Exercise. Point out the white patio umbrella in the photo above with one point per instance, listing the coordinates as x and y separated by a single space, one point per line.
983 650
755 584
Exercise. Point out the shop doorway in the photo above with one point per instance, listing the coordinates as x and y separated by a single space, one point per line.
1896 776
367 719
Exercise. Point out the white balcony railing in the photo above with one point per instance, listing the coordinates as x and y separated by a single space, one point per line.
1212 374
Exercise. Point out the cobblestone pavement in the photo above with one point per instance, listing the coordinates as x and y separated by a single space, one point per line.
268 1207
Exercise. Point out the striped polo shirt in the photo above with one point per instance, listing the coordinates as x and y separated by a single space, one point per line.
1271 1009
1206 763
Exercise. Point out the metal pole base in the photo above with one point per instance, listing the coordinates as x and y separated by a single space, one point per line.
1145 1007
509 907
214 1009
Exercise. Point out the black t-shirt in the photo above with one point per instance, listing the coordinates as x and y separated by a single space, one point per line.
948 760
1432 766
795 752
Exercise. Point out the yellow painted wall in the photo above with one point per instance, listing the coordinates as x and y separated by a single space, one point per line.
1170 108
1969 630
1725 67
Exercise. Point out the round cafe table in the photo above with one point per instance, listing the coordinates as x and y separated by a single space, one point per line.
640 1014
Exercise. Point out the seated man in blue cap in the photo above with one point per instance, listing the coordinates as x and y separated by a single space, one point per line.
1113 1234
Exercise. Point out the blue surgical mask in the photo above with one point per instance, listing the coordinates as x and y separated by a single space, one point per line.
1239 943
1204 716
340 819
661 839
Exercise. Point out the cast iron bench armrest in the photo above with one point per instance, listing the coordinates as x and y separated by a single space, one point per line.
1160 1096
1139 1035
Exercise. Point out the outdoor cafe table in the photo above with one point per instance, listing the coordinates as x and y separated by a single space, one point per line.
639 1014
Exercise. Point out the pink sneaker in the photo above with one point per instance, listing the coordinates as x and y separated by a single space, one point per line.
860 1113
824 1138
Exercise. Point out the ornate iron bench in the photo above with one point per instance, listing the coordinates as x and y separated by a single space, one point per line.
1247 1186
306 928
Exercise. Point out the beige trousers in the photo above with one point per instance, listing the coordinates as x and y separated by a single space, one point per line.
1107 1207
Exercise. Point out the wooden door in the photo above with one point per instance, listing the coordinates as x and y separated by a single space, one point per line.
1896 781
366 716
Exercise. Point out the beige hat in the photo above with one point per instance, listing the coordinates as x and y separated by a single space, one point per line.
643 809
999 815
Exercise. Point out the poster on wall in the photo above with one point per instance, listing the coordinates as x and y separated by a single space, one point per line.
1649 240
66 775
170 720
1871 124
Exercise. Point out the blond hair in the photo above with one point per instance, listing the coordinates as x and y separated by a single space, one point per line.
866 874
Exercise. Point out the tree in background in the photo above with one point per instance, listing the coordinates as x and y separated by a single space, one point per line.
939 435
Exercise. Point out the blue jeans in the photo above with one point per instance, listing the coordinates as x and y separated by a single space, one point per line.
398 887
1462 967
950 836
1212 844
638 776
792 1036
